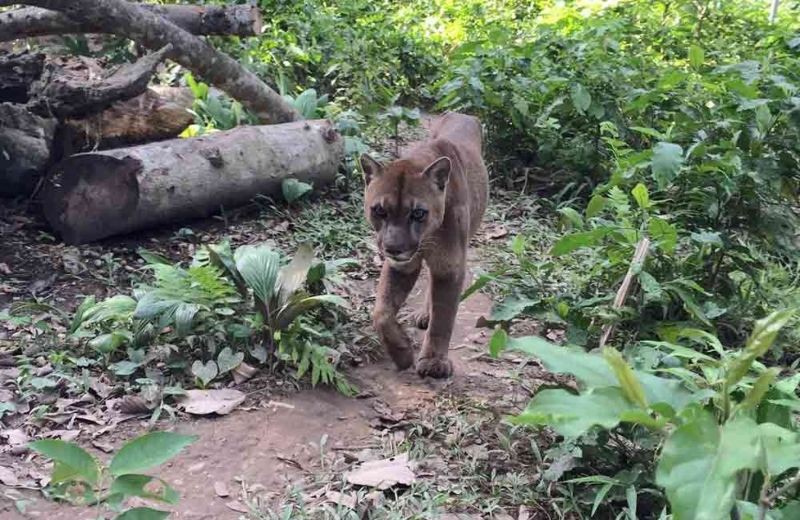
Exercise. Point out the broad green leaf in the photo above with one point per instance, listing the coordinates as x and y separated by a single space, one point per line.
641 196
71 461
258 266
594 372
581 98
689 303
148 451
77 320
116 307
700 462
758 344
293 189
650 285
292 277
227 360
299 305
143 513
133 485
781 446
573 415
595 206
152 258
479 283
184 318
630 385
109 343
498 342
696 56
707 238
589 369
572 216
663 233
759 389
205 372
666 163
510 308
573 241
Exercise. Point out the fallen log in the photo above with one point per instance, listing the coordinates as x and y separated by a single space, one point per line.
17 72
209 20
157 114
154 32
63 94
95 195
25 146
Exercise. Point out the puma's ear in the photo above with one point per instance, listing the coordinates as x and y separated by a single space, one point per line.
372 168
439 172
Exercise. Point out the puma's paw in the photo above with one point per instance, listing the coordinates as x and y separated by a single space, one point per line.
421 319
402 357
436 367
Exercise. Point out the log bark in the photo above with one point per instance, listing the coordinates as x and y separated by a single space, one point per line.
95 195
157 114
17 72
209 20
25 148
154 32
63 94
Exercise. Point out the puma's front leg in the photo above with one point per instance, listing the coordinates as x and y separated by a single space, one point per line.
445 290
393 288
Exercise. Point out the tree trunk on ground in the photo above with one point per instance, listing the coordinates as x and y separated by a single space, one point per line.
235 20
17 72
153 31
159 113
96 195
25 146
63 94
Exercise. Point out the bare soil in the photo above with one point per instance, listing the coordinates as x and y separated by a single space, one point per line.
279 440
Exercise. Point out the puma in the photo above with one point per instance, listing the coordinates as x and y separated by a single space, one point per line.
424 207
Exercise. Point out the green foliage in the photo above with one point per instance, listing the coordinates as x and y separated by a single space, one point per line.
711 414
80 478
207 318
212 110
293 189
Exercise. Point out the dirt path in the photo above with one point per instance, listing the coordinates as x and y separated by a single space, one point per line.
264 450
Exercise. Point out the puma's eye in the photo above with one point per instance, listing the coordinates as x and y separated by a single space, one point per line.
378 211
419 214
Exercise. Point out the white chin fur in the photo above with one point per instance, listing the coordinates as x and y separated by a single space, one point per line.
399 264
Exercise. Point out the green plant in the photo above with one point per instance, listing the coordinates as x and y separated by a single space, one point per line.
723 422
212 111
79 477
395 115
208 316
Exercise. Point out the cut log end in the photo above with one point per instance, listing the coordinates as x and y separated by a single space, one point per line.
91 195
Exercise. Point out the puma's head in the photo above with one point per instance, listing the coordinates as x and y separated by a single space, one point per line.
404 204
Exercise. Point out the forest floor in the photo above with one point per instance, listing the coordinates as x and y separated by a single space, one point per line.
285 452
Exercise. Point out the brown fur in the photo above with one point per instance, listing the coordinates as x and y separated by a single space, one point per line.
424 207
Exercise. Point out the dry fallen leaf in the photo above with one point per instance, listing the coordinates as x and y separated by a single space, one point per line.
205 402
237 506
497 232
16 437
383 474
8 477
103 446
243 372
221 489
342 499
